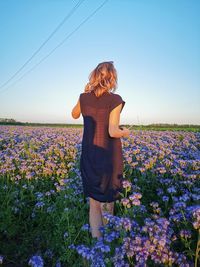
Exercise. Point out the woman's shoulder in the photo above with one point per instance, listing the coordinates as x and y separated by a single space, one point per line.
111 94
116 96
83 94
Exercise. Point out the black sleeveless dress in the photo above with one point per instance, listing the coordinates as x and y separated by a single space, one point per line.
101 161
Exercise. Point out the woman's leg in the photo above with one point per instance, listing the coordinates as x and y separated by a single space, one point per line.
95 217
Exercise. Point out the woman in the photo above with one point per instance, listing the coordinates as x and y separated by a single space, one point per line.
101 162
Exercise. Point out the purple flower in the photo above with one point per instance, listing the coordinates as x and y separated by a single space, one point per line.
109 237
36 261
1 259
136 202
50 209
65 234
171 189
39 195
135 196
184 197
196 216
126 184
39 204
179 205
185 234
58 264
165 198
84 251
125 202
85 227
159 191
126 223
72 246
154 204
49 253
103 247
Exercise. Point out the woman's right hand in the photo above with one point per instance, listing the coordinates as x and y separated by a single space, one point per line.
126 132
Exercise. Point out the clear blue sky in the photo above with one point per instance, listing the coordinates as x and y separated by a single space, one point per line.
155 46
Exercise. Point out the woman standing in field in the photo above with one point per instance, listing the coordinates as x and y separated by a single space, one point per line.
101 162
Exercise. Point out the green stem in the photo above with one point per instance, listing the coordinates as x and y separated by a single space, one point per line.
197 250
77 235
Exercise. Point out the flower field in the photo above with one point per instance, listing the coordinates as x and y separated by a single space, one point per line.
44 215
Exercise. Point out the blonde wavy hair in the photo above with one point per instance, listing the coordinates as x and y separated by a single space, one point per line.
102 79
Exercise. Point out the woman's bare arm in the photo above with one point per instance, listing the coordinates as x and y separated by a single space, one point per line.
114 119
76 111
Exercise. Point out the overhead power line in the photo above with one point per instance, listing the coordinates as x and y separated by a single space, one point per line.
44 43
56 47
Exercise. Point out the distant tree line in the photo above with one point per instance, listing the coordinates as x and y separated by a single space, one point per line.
5 121
172 125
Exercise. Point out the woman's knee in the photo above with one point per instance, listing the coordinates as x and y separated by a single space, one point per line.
107 207
95 203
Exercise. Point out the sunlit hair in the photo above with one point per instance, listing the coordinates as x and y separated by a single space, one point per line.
102 79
